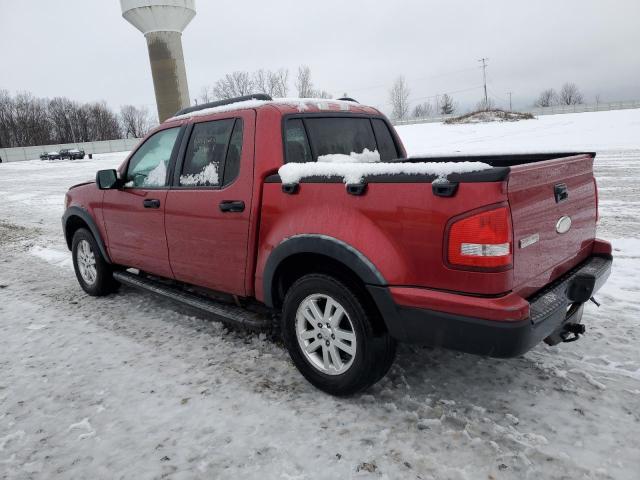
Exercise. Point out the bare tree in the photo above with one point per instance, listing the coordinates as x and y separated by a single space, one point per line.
570 94
272 83
27 120
279 83
206 95
422 110
135 121
447 105
399 99
304 85
102 122
547 98
232 85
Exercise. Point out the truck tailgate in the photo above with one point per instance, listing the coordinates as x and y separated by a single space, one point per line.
553 210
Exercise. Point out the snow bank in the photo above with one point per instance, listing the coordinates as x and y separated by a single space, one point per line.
352 172
577 132
367 156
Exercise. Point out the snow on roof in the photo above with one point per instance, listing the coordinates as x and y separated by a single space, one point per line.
302 104
354 172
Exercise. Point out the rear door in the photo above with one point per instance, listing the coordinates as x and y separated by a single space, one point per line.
134 214
208 207
553 210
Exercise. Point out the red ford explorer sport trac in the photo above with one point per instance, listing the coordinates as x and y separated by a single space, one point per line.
309 213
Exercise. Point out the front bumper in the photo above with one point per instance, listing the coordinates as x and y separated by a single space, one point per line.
503 337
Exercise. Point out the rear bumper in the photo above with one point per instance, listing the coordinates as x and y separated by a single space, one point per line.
515 325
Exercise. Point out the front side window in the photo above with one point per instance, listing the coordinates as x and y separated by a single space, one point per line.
206 152
148 166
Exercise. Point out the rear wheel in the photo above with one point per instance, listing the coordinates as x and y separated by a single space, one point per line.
330 337
94 274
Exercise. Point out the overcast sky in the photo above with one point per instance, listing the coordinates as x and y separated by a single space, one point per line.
85 50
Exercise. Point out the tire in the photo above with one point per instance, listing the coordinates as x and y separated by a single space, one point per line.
353 371
98 281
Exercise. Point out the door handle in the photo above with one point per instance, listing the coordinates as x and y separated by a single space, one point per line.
151 203
231 206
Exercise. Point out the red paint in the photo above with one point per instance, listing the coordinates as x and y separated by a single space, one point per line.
511 307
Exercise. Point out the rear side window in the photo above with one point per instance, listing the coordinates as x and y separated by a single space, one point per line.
312 137
206 152
296 142
386 145
339 135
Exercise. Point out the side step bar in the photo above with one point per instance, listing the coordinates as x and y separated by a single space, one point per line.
222 311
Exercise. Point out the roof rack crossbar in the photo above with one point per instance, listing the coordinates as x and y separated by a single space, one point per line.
219 103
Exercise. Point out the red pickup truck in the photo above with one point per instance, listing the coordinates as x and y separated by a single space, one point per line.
490 260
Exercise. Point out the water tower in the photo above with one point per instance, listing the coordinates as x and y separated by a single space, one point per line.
162 23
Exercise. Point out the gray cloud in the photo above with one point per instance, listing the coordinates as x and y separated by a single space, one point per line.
354 46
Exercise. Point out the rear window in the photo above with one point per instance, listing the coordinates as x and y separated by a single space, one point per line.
309 138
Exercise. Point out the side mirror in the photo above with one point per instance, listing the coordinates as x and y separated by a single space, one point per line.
107 179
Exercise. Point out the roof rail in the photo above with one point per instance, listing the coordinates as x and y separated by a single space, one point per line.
348 99
229 101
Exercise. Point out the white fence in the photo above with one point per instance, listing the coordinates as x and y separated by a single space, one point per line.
553 110
33 153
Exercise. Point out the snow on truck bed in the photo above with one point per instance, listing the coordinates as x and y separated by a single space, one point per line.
129 386
354 167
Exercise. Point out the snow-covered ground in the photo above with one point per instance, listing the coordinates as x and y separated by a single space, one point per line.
129 387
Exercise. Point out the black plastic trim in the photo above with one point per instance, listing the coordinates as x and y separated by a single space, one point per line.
356 189
86 218
220 103
496 174
500 160
444 189
490 337
322 245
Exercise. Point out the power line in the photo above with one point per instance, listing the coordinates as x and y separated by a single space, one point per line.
484 76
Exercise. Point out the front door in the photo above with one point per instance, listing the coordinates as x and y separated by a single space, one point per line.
208 208
134 214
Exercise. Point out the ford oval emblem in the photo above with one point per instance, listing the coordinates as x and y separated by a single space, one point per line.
563 225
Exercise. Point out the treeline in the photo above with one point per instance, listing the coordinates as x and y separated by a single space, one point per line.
26 120
272 82
401 105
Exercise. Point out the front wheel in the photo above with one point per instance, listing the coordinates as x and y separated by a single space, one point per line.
94 274
330 336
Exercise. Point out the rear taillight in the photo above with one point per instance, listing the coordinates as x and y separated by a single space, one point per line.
482 240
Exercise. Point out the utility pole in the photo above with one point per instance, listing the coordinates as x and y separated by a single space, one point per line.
484 77
510 107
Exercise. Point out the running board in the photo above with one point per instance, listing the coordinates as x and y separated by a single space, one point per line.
224 312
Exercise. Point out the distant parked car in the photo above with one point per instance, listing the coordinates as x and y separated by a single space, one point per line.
50 156
71 154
